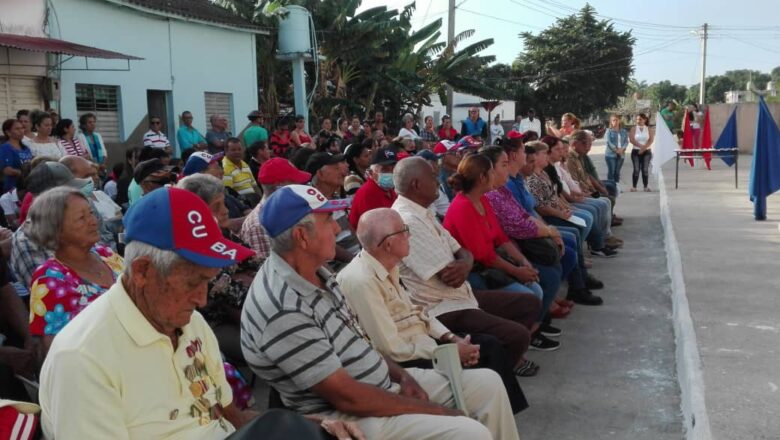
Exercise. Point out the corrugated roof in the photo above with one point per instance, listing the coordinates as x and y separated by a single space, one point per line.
51 45
202 10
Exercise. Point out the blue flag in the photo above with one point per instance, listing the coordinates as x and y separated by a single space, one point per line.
765 170
728 138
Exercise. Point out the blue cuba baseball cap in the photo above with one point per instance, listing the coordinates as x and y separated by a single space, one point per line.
288 205
177 220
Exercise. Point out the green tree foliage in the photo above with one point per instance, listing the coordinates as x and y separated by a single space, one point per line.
664 91
369 60
579 64
776 74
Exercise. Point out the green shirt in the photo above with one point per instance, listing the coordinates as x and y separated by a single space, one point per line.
253 134
589 167
668 116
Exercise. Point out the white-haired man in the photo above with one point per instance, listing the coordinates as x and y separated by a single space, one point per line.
300 336
140 362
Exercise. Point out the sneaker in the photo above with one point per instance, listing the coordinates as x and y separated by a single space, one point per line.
527 369
584 297
592 283
542 343
604 252
613 242
550 331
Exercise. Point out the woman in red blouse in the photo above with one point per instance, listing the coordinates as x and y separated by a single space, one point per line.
472 222
446 132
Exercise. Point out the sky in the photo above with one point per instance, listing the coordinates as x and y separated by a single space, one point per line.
743 34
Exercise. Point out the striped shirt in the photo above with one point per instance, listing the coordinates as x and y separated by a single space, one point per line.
295 334
156 140
74 147
239 177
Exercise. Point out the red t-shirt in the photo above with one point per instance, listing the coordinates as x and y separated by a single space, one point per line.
369 196
447 134
479 234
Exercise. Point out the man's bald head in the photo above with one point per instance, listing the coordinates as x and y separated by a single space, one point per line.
407 170
376 224
80 167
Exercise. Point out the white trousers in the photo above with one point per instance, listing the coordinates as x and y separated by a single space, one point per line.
486 402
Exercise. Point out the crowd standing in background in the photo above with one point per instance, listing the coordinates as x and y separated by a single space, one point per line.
143 290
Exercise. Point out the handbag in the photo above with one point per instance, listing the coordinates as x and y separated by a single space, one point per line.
494 279
542 250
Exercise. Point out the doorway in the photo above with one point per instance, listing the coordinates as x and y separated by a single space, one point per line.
157 102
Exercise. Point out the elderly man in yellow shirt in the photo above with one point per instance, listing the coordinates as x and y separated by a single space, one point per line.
237 174
395 326
140 362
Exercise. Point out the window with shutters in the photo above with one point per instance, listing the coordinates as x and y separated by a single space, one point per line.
103 102
219 104
17 93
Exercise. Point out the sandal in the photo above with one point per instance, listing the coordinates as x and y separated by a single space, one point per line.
633 190
647 190
564 302
527 369
559 312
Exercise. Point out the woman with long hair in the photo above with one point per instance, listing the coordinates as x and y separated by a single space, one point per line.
615 154
358 157
641 137
65 131
43 144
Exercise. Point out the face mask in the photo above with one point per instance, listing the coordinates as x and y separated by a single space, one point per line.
88 188
385 181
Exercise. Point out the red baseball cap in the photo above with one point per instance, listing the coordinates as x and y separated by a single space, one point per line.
177 220
443 147
278 170
514 134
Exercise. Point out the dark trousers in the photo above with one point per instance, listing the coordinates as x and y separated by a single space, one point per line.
279 424
641 163
503 315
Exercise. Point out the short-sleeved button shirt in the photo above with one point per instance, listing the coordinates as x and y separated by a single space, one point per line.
295 334
110 374
239 177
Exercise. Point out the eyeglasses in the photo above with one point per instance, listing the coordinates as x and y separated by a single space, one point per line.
405 230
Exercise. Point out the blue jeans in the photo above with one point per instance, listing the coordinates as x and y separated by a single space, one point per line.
600 212
550 282
573 262
611 187
478 283
614 165
594 235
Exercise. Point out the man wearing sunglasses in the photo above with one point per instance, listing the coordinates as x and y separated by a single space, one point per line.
155 138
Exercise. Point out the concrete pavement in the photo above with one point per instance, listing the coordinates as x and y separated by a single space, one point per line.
614 375
730 270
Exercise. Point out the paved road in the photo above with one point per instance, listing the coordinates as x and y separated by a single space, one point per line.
614 376
731 277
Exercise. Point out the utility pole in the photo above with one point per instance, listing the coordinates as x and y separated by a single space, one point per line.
450 41
703 63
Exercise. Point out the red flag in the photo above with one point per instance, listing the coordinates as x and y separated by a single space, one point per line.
687 135
706 138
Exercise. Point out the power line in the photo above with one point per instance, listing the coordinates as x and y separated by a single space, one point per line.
481 14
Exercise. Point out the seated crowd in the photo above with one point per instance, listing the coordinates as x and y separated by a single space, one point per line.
331 267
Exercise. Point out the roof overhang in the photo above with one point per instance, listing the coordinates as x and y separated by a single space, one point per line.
51 45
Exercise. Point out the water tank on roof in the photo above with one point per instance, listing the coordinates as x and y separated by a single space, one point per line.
295 34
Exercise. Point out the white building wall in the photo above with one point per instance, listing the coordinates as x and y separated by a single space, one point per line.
460 112
185 58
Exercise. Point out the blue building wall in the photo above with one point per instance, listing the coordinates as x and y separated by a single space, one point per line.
185 58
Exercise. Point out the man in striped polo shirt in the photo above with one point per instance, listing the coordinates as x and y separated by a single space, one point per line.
299 335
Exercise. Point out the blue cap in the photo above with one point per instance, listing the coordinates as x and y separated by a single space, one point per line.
288 205
428 155
199 161
177 220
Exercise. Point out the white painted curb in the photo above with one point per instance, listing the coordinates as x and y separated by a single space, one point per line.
689 371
